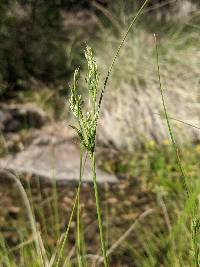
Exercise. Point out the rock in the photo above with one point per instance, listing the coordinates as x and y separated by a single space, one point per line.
16 117
51 156
134 116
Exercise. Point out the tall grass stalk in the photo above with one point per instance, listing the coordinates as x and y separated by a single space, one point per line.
195 222
103 244
80 261
88 122
55 204
76 200
87 129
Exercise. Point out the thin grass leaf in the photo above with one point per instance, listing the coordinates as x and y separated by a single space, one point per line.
195 221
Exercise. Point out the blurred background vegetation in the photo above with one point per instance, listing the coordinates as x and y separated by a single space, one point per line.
43 41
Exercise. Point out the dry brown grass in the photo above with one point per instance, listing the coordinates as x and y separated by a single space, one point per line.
132 102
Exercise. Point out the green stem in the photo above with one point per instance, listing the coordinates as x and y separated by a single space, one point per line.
194 218
174 145
70 219
80 264
103 246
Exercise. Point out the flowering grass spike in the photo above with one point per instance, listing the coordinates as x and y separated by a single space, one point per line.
87 121
87 124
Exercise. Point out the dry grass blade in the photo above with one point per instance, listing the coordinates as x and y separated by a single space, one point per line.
159 5
128 232
181 121
107 14
100 259
36 235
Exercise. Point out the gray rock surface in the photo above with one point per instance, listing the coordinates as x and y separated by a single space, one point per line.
51 155
15 117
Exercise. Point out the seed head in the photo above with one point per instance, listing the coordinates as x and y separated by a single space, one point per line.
88 121
92 78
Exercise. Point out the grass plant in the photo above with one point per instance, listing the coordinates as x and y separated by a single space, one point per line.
195 222
87 128
88 122
160 244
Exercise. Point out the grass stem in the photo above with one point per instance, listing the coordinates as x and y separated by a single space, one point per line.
194 218
71 215
80 263
103 245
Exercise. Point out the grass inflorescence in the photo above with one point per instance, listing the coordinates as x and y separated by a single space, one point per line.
87 127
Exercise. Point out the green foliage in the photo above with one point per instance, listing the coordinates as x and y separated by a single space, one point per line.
87 121
168 241
156 170
33 45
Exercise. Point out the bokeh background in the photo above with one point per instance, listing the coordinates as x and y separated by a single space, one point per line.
42 43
